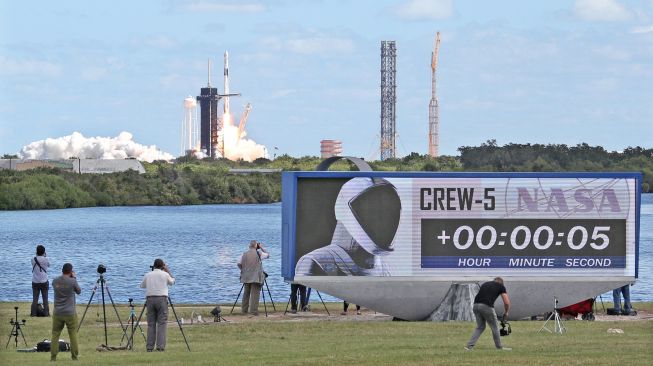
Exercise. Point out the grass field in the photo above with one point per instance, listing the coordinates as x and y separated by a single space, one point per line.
337 340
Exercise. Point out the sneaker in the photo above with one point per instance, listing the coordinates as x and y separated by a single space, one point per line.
293 311
467 348
505 349
343 313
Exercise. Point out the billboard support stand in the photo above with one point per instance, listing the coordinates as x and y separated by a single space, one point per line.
558 327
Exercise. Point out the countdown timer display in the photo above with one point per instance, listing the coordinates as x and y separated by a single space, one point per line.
460 225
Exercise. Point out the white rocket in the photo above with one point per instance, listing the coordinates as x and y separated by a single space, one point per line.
226 82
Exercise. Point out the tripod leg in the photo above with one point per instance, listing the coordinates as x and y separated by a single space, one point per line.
22 335
237 297
124 329
138 324
87 305
10 334
271 299
264 305
323 304
179 323
104 315
289 297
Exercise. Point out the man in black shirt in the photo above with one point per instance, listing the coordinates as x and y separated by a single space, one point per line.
484 311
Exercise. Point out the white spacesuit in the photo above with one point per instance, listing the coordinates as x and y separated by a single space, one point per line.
367 212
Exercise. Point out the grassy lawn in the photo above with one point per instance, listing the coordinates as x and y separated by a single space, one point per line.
282 340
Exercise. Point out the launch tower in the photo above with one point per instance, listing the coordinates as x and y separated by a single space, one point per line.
388 99
434 108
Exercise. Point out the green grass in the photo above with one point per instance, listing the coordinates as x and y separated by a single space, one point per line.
329 341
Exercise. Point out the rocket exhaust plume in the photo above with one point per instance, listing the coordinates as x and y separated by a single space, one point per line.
234 144
120 147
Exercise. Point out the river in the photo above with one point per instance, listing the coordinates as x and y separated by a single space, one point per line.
201 243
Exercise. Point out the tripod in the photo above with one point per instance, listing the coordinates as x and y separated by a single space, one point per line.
138 324
265 283
132 320
308 295
103 284
16 329
558 327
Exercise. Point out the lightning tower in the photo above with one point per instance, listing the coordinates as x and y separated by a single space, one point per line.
434 108
388 99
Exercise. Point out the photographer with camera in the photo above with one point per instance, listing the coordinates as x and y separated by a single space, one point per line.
484 311
65 287
252 275
40 284
156 284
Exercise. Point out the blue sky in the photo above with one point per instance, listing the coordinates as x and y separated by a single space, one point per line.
514 71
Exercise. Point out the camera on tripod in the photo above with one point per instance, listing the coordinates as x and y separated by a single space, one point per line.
101 269
505 328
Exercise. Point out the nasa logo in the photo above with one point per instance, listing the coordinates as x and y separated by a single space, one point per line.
558 199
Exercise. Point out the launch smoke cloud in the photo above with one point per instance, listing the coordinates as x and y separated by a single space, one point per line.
76 145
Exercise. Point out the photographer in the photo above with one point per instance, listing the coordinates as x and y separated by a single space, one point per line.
65 287
156 284
484 311
252 275
40 284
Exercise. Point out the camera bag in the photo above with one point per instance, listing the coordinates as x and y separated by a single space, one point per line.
45 345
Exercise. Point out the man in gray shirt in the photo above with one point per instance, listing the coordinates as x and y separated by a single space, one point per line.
65 287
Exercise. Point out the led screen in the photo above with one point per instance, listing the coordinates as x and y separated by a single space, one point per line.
460 224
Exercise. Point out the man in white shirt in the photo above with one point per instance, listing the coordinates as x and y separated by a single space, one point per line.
40 284
252 275
156 284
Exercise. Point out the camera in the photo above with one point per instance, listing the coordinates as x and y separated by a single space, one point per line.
101 269
505 328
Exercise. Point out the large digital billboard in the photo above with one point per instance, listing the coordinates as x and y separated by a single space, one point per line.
457 227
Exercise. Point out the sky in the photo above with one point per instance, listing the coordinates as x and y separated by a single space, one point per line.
516 71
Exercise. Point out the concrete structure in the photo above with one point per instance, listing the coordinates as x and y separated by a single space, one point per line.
388 99
329 148
93 166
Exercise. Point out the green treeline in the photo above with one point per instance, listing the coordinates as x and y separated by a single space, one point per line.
190 181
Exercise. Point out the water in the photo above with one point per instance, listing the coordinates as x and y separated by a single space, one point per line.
201 243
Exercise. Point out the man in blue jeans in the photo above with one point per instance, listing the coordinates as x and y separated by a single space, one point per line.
616 296
484 312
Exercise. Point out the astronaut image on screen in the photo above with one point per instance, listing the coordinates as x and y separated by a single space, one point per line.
367 212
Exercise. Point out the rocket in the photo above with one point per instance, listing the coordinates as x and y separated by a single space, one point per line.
226 82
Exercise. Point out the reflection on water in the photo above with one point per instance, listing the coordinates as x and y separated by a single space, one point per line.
200 243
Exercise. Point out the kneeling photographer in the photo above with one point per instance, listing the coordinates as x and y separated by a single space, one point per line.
156 284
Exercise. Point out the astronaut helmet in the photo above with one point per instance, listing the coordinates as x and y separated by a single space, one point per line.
369 209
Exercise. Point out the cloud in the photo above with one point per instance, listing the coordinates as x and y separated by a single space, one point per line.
224 7
317 44
14 67
94 73
601 10
426 9
320 44
642 29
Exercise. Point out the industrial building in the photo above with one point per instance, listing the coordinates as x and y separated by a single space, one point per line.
329 148
92 166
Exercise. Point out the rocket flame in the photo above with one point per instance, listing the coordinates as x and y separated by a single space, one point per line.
236 148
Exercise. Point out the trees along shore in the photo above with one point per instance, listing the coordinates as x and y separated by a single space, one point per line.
189 181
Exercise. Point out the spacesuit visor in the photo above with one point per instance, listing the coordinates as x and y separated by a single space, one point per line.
377 210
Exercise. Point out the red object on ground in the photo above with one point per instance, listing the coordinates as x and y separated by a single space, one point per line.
583 307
